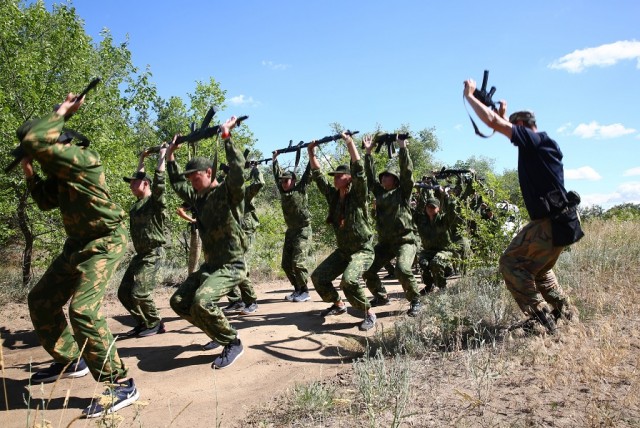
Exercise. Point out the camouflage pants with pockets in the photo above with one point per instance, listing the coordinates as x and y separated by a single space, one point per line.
138 283
295 257
526 266
435 267
80 275
196 299
351 266
405 254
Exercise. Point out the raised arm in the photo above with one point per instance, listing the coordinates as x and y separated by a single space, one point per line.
494 120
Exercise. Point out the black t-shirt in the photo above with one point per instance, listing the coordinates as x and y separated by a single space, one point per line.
540 168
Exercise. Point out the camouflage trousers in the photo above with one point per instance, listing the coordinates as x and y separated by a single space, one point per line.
351 266
295 257
138 282
405 254
80 275
526 266
196 299
245 291
435 267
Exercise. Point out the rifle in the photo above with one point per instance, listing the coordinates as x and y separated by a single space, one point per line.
485 98
301 145
154 149
66 136
205 131
444 172
388 140
253 162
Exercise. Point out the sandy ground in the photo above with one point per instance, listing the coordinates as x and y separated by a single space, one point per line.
285 343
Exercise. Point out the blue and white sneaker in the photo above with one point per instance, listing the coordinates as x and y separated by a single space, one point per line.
75 368
302 296
115 397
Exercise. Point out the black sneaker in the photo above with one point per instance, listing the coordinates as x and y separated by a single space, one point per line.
379 301
302 296
229 355
334 310
76 368
415 308
134 331
115 397
234 307
251 309
368 323
210 346
157 329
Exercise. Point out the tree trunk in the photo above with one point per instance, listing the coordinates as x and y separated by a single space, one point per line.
27 233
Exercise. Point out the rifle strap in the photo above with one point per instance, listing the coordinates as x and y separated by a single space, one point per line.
69 134
214 173
298 154
475 127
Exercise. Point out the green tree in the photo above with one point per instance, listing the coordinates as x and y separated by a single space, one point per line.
43 56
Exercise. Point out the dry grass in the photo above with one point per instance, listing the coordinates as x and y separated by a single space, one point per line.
456 365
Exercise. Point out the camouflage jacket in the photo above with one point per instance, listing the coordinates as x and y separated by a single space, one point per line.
394 221
256 182
218 210
147 218
348 216
435 235
295 204
75 181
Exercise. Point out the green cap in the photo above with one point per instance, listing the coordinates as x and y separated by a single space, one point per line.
341 169
287 174
390 171
434 202
140 175
197 164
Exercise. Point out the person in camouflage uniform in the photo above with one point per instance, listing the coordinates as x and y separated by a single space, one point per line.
297 238
147 218
527 263
438 250
250 223
96 242
394 225
219 209
347 201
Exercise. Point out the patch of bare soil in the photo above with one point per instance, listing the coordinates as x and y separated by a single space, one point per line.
285 343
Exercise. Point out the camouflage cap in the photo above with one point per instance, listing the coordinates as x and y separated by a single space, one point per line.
140 175
197 164
341 169
527 116
389 171
433 202
287 175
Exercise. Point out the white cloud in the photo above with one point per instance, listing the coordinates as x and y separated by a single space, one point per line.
600 56
595 130
564 128
582 173
631 172
628 192
243 100
273 66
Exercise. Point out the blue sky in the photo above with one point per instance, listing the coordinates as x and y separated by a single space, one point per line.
295 67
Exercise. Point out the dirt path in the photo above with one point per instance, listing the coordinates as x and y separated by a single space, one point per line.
285 343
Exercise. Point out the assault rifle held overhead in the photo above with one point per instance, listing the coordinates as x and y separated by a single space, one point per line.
250 163
301 145
66 135
205 131
388 139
